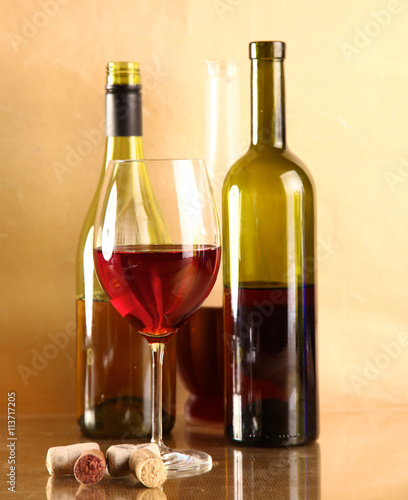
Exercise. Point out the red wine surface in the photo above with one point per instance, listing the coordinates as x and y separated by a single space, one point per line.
158 287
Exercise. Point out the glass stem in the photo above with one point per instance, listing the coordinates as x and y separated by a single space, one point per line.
157 376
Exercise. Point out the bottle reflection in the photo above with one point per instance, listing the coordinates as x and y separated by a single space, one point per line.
287 473
290 473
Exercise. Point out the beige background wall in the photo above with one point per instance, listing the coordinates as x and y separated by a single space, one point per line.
347 111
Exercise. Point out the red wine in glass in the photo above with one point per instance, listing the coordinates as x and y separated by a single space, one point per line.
158 287
157 253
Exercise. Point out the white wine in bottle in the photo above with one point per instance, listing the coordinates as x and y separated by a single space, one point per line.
113 359
269 276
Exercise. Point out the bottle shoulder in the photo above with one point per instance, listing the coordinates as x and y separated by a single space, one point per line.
268 167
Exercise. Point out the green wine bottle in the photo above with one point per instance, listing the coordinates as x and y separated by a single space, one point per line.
113 360
269 276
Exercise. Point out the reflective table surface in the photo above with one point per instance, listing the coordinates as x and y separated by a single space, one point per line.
359 455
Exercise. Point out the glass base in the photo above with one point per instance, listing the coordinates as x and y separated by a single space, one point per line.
185 462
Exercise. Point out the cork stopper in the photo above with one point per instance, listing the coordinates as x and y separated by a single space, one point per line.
148 468
90 467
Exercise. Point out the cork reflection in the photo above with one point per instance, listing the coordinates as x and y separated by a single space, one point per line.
124 488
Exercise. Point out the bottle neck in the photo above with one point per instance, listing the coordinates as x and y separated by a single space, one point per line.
123 123
268 104
123 148
123 110
222 133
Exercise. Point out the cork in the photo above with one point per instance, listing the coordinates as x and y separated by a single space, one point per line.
117 457
90 467
148 468
61 459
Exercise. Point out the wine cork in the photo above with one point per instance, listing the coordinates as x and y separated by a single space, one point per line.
61 459
90 467
117 457
148 468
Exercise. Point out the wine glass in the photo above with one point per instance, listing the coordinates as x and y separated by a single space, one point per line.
157 255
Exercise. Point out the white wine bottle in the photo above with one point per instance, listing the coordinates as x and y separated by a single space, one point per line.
269 276
113 359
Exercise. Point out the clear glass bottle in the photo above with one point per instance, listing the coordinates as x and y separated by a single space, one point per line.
113 360
269 276
200 349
